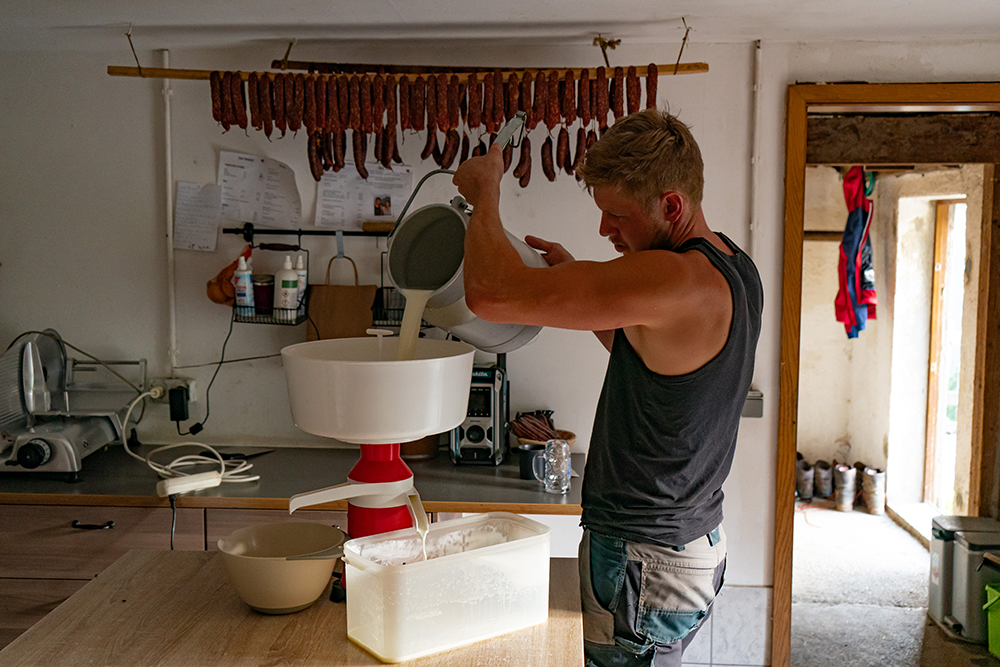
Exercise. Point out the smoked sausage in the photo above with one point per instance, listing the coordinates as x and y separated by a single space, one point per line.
541 101
215 82
365 88
360 152
498 100
475 103
239 100
294 114
321 103
431 145
315 161
404 103
390 102
618 93
452 143
569 98
488 90
378 103
278 110
227 96
432 100
524 162
464 155
513 96
632 90
547 167
454 102
264 102
652 74
417 105
583 99
552 111
443 112
332 106
254 106
508 156
602 98
563 159
343 101
354 94
309 111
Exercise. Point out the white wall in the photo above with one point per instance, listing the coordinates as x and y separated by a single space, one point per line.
82 200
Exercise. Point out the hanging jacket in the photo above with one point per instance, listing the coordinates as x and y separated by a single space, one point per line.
856 298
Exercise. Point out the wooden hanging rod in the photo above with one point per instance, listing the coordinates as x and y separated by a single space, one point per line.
418 70
203 74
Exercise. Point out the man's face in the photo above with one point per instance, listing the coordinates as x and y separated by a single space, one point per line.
627 224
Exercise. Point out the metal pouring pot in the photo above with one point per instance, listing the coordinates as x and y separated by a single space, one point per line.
427 252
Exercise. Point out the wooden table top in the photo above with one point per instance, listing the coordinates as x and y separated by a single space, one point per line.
169 608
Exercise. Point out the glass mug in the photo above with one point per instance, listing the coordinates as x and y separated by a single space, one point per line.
553 468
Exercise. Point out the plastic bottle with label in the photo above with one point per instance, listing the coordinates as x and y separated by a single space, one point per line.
286 292
243 281
301 272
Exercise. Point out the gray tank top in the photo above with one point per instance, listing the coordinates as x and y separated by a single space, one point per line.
663 445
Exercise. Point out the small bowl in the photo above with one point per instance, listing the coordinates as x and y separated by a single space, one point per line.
280 568
568 436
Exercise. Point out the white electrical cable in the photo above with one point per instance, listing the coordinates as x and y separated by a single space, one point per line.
231 471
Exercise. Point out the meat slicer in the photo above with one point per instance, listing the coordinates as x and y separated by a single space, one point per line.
55 410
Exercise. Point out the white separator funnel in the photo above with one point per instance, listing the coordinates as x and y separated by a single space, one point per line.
354 390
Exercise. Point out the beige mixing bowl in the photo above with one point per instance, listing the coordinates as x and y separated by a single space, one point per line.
280 568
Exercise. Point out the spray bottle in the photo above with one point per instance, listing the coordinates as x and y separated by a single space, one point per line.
300 271
243 281
286 292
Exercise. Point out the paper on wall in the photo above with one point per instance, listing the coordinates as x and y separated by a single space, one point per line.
344 200
259 190
197 211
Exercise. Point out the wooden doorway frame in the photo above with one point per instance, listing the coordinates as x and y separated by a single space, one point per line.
859 98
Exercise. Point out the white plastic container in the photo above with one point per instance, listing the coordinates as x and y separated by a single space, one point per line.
486 575
354 390
286 292
243 282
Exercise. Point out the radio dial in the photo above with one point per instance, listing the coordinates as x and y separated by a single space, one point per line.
34 453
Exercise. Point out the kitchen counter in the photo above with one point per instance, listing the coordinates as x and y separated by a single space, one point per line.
111 477
179 608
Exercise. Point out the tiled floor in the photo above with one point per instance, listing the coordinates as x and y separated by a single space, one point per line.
859 596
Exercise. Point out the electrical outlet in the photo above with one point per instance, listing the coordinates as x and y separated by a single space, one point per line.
169 383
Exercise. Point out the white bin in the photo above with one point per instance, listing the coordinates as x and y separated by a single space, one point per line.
486 575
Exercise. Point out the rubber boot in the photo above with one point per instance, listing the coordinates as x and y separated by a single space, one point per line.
873 490
844 487
823 479
804 480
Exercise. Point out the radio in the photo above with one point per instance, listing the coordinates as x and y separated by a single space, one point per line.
482 437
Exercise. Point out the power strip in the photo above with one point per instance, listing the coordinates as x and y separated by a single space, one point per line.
175 485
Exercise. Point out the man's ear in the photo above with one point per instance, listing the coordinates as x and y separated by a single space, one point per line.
673 205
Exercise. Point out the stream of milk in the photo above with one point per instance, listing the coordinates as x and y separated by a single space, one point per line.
409 331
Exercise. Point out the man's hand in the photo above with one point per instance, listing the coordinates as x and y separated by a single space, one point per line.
553 253
478 178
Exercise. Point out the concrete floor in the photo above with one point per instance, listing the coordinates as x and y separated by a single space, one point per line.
859 596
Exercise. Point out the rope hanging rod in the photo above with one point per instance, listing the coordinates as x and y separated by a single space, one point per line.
463 74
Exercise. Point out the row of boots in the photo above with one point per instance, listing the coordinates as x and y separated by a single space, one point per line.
848 485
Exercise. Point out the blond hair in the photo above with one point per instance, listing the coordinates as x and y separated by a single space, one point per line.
644 155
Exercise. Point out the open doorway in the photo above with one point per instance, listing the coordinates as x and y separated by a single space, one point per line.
905 99
867 402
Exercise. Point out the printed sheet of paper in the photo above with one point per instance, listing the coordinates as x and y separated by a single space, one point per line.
197 211
344 200
259 190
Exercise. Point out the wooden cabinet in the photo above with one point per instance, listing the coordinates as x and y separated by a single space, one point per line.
50 552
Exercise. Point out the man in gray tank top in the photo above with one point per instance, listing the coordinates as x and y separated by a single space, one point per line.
679 312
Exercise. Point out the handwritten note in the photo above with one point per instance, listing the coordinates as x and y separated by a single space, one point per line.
259 190
197 211
344 200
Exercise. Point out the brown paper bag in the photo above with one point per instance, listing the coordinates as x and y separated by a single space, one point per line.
340 311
